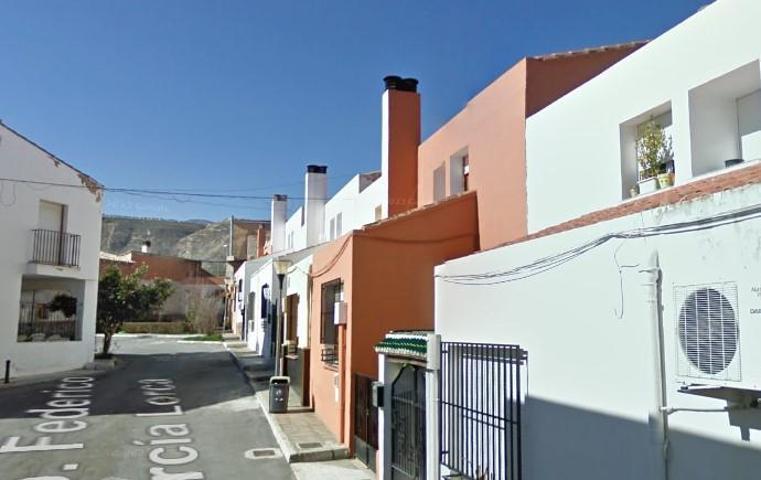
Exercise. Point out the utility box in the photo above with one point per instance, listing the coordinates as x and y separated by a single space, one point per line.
279 387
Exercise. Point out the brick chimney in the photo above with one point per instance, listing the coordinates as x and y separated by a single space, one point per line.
278 217
400 139
315 196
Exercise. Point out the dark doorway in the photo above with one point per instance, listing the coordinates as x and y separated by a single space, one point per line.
365 421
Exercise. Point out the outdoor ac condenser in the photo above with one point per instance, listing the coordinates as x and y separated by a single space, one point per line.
716 336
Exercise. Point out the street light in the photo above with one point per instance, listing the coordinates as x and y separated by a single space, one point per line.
281 269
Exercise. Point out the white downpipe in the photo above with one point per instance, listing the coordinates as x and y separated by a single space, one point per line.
432 406
658 415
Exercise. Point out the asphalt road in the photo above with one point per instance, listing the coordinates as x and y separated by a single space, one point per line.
171 411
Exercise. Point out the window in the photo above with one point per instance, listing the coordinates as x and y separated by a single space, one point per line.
265 299
459 169
439 183
332 292
332 228
634 178
338 224
465 172
725 120
378 212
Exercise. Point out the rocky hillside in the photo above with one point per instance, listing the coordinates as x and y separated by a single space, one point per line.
122 234
196 239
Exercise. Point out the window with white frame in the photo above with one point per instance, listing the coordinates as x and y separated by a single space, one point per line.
459 170
725 120
637 135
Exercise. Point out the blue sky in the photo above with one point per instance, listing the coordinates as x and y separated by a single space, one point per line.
237 96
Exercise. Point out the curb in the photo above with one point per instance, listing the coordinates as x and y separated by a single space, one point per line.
290 452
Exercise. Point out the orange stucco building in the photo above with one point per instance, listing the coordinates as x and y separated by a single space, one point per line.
383 274
483 147
462 189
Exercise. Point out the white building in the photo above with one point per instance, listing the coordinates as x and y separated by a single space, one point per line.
700 81
639 317
50 237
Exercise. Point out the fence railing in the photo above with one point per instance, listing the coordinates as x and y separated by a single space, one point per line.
53 326
51 247
480 410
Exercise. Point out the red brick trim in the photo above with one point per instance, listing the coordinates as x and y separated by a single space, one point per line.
729 180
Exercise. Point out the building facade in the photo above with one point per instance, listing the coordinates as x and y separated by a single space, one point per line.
632 312
50 235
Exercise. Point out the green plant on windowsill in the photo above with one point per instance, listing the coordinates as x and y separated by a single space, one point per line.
654 152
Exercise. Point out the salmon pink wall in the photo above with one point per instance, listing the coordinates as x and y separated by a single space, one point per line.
387 270
332 261
492 129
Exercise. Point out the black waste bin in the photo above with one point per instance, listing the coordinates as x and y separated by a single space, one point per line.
279 394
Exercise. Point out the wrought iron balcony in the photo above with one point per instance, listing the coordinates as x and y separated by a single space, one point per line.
51 247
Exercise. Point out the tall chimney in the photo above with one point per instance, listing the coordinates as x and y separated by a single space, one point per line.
315 196
278 217
400 139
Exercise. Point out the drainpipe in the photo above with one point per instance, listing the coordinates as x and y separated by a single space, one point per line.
658 416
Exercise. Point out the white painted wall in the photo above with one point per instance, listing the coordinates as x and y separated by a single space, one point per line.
19 214
586 325
574 146
356 203
295 233
261 329
297 283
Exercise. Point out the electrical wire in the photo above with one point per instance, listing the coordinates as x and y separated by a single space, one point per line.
551 262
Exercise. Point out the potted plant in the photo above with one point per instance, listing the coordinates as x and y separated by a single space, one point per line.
64 303
654 150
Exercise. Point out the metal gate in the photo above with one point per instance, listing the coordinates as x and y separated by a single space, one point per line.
480 409
365 421
408 424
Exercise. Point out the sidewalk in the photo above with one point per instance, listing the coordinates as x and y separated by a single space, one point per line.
304 440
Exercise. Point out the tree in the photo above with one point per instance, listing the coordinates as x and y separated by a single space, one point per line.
128 297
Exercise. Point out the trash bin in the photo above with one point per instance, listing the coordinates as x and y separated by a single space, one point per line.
279 394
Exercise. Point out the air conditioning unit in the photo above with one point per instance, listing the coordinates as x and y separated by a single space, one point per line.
339 313
714 338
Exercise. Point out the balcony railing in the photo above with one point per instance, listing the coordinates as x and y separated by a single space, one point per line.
56 248
329 354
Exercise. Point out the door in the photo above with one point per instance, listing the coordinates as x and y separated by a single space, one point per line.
408 424
48 242
365 421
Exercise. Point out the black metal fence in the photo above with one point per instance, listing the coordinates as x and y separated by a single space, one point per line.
408 445
38 325
480 409
56 248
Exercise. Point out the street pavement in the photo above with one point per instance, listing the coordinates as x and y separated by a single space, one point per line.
170 411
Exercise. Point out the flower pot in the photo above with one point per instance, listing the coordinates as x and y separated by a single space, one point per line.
665 180
648 185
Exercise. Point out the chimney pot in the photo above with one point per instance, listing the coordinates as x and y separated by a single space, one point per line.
395 82
317 169
279 197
